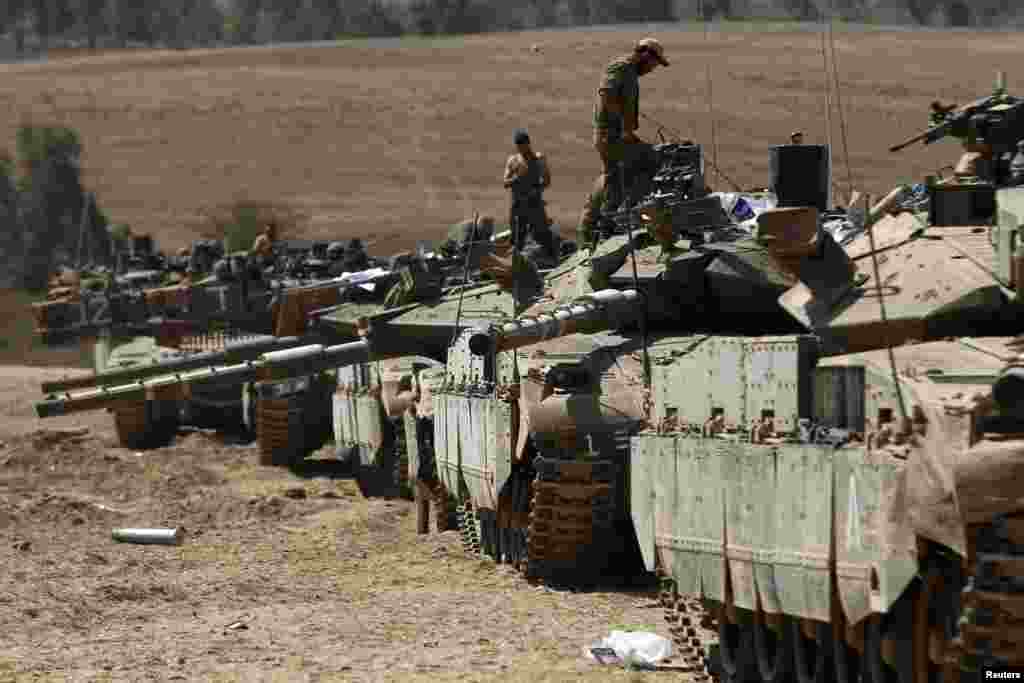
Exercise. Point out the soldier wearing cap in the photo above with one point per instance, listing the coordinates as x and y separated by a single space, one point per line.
526 177
616 117
796 137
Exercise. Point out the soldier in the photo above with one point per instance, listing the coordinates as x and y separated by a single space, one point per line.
616 119
527 176
263 246
796 138
976 161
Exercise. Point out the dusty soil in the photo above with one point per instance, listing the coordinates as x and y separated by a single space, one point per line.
282 575
393 141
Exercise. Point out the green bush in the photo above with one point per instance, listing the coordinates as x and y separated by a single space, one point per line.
39 143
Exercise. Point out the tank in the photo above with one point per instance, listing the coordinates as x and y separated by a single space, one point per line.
216 320
290 416
790 429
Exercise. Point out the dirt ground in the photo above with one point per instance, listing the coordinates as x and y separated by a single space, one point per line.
282 576
394 140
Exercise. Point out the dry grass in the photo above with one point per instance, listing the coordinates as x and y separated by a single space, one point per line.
394 143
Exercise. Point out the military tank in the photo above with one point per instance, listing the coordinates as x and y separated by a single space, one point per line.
291 416
802 437
782 426
228 317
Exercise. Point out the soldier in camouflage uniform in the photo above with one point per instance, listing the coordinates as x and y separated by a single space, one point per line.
527 176
616 119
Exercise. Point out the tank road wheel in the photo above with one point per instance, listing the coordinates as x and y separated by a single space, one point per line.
774 649
139 424
812 657
736 652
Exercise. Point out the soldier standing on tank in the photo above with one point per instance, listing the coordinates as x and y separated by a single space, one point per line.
616 118
527 176
796 138
977 160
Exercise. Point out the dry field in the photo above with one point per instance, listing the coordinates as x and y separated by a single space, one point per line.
394 140
282 576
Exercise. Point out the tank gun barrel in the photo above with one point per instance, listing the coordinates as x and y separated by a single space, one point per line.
236 352
608 307
269 366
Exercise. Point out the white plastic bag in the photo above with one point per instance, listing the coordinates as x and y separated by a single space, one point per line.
635 647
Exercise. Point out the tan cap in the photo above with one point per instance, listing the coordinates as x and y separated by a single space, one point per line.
653 46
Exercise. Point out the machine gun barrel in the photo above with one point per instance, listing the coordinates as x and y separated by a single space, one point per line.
929 136
270 366
607 307
236 352
958 116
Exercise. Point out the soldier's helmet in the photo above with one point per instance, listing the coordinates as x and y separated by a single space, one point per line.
222 270
355 244
335 250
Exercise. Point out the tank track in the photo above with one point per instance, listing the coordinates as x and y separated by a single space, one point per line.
288 428
280 431
992 619
693 629
572 507
516 537
444 510
400 476
466 519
